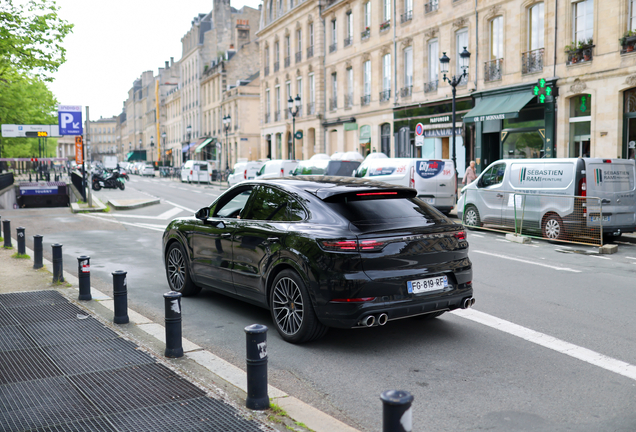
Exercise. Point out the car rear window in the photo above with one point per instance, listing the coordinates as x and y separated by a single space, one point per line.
341 168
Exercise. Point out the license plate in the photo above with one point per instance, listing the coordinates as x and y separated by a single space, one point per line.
598 218
428 200
428 284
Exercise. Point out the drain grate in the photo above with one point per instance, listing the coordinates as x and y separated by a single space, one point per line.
5 318
98 424
49 312
31 298
33 404
75 331
97 356
135 387
200 414
13 337
25 365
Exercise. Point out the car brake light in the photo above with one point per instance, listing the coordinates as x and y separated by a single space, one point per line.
371 245
190 172
245 174
607 161
353 245
282 172
460 235
583 187
412 178
376 193
353 300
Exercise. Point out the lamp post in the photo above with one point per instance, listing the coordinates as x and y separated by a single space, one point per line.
293 110
226 126
464 58
189 131
152 144
163 138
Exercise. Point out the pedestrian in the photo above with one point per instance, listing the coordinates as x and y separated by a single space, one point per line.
470 174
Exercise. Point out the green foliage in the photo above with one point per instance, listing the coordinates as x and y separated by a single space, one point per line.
20 256
30 38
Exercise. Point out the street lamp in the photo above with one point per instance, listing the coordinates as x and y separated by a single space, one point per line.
152 144
189 131
163 138
226 126
464 58
293 110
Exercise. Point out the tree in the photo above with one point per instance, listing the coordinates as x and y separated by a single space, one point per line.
30 38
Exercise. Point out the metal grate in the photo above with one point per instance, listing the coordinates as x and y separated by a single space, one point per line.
25 365
200 414
135 387
46 312
69 332
5 318
97 356
14 337
98 424
19 299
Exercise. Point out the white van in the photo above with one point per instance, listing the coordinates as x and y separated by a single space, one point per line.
490 198
244 171
195 171
276 168
434 180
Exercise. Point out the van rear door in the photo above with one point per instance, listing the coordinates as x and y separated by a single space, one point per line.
612 180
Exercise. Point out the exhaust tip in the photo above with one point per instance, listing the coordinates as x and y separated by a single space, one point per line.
382 319
368 321
467 303
472 301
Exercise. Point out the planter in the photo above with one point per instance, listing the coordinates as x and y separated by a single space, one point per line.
629 48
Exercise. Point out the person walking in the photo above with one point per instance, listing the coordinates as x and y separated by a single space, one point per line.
470 174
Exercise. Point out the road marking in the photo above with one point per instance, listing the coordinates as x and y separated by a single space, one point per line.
526 261
147 226
634 258
502 240
476 235
550 342
600 257
170 213
181 207
197 191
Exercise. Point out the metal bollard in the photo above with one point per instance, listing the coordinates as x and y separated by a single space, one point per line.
6 227
174 347
120 297
84 276
21 241
58 265
257 399
397 415
37 252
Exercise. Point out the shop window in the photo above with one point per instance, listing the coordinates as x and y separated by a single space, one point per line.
523 144
629 147
580 125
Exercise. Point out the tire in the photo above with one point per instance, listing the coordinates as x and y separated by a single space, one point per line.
289 293
471 217
96 186
428 316
122 185
610 238
177 272
552 227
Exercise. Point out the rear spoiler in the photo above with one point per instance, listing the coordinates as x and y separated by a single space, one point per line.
338 194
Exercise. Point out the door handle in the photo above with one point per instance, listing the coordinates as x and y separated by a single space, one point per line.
272 239
226 235
499 195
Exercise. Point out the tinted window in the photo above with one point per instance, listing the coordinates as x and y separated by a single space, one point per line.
233 207
268 204
388 211
341 168
494 175
295 211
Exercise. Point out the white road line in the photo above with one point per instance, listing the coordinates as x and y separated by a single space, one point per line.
600 257
197 191
475 235
558 345
147 226
181 207
634 258
526 261
502 240
170 213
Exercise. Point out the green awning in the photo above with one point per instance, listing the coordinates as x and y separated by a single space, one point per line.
499 107
203 144
129 155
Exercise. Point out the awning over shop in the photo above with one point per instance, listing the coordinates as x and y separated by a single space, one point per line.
203 144
129 155
499 107
136 155
187 147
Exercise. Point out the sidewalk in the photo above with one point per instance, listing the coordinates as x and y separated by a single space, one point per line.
65 366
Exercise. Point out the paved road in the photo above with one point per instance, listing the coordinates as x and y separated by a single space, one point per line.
550 345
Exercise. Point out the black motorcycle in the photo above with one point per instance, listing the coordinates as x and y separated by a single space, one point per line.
111 180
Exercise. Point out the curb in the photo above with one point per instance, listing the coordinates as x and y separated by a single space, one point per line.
99 207
141 203
296 409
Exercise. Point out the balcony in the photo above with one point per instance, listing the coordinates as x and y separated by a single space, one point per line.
276 66
277 116
333 47
333 104
311 108
299 56
348 101
408 16
385 95
431 86
385 25
493 70
348 41
310 52
406 92
268 116
266 71
627 43
365 34
463 81
431 6
287 61
365 100
287 114
582 54
532 61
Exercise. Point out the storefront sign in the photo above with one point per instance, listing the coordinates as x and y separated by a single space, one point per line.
493 117
443 119
350 126
429 133
365 134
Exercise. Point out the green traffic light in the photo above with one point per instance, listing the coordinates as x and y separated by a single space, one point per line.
542 82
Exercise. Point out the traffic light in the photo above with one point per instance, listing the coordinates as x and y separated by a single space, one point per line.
542 91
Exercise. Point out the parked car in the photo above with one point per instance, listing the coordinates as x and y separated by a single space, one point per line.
244 171
490 199
320 252
326 167
147 170
138 167
434 180
276 168
195 171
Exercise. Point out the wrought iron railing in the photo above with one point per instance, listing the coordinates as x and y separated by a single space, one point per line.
348 100
299 56
385 95
310 108
266 70
365 34
493 70
407 16
287 61
431 6
385 25
348 41
365 100
268 116
276 66
627 44
406 91
333 104
276 115
532 61
431 86
310 51
333 47
581 55
463 80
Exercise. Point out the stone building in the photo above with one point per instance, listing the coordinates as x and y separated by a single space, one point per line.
103 133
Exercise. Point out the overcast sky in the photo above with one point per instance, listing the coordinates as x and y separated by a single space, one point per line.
114 41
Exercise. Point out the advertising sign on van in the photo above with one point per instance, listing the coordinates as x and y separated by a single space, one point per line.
428 169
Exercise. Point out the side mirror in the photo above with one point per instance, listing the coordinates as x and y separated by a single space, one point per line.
203 213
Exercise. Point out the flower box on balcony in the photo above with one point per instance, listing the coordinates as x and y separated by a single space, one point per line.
628 41
385 25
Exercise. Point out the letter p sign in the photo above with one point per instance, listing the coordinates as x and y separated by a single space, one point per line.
70 119
65 119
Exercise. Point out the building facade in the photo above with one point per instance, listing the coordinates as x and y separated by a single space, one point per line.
103 138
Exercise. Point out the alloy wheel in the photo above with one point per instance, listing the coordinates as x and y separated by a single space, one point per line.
471 217
288 306
552 229
176 269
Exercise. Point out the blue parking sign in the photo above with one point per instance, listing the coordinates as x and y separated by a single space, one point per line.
70 119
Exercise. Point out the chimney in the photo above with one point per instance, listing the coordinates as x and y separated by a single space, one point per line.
167 65
171 61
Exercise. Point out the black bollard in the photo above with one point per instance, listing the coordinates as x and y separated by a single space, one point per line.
37 252
30 178
256 358
84 276
396 411
58 266
21 241
6 227
174 347
120 297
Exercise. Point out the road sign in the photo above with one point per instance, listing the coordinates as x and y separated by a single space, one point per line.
70 119
79 150
21 131
419 130
419 140
299 135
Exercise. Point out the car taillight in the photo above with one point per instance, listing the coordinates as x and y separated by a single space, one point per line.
245 175
412 178
582 187
607 161
190 172
353 245
371 245
353 300
282 172
460 235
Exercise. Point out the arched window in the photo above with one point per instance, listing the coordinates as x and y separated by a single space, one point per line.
536 28
385 139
